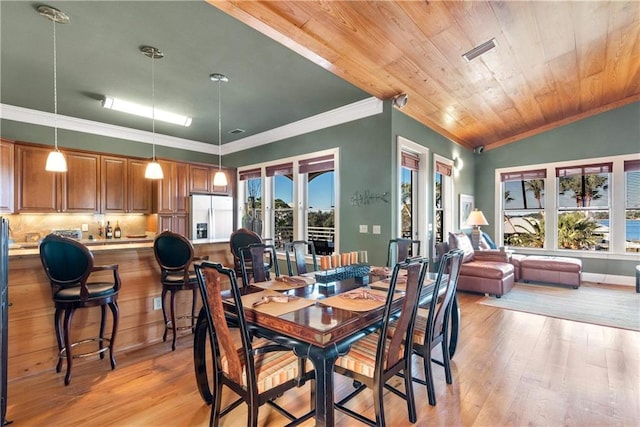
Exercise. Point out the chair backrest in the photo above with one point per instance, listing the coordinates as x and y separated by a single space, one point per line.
388 356
241 238
66 262
440 306
401 249
211 277
173 252
299 249
253 262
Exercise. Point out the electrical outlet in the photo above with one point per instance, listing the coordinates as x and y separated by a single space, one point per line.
376 229
364 228
85 227
157 303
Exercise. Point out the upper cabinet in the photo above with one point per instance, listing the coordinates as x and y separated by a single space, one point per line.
172 192
124 187
38 190
201 180
6 176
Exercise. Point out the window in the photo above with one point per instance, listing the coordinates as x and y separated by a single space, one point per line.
632 205
301 199
523 201
410 165
583 206
282 203
251 212
442 179
319 179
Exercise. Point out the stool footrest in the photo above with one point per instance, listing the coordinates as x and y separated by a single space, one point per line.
63 352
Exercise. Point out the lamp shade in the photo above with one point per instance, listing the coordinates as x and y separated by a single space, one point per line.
476 218
56 162
154 170
220 179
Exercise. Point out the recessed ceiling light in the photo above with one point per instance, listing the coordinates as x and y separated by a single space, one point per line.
480 49
118 104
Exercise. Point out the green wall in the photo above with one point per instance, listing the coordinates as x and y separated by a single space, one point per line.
365 164
614 132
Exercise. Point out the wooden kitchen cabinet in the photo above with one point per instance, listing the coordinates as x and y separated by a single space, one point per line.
178 223
201 180
172 192
40 191
172 197
6 176
124 187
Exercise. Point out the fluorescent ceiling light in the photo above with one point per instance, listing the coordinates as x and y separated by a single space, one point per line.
144 111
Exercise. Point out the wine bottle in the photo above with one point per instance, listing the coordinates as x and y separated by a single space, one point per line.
117 233
108 231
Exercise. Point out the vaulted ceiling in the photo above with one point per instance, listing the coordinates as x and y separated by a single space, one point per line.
555 62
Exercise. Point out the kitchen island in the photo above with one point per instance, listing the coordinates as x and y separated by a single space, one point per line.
32 343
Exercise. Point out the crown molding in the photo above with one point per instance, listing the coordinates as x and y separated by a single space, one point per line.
347 113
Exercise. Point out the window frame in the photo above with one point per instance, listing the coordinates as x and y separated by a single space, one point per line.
300 203
616 207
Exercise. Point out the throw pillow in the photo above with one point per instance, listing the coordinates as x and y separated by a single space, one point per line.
461 241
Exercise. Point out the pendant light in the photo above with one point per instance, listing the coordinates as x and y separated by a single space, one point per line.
154 170
55 161
219 179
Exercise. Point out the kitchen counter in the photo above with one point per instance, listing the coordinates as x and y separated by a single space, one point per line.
31 309
31 248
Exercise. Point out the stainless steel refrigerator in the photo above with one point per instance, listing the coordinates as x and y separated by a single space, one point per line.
210 217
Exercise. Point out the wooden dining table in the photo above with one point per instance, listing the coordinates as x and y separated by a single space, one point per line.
318 332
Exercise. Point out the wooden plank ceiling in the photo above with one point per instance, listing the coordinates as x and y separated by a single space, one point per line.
556 62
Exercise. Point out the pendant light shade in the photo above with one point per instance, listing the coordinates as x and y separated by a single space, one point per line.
220 178
153 170
56 161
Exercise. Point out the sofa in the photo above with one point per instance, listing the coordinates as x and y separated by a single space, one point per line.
486 271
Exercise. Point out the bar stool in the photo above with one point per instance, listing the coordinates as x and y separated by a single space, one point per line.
68 265
175 256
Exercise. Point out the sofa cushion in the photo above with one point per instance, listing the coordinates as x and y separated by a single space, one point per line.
486 269
461 241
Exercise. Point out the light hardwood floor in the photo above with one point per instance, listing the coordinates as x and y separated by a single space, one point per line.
511 369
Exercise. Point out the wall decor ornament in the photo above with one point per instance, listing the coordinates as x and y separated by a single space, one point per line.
368 197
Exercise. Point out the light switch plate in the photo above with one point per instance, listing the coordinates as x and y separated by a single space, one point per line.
364 228
376 229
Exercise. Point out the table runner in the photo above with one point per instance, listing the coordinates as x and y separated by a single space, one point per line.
274 308
343 301
285 283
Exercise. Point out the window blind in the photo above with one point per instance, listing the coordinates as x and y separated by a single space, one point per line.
443 169
585 169
283 169
317 164
250 174
410 161
523 175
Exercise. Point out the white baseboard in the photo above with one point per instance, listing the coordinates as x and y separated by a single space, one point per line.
609 279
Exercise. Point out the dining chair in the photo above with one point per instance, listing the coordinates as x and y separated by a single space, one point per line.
241 238
69 264
175 256
254 265
379 356
256 369
433 330
299 250
401 249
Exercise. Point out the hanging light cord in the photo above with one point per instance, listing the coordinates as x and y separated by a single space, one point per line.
219 124
55 89
153 107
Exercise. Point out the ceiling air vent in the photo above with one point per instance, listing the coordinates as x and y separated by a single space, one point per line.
480 49
236 131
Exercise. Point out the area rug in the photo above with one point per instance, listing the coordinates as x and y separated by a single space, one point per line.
606 305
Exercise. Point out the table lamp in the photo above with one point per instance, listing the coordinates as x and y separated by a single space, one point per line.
476 219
